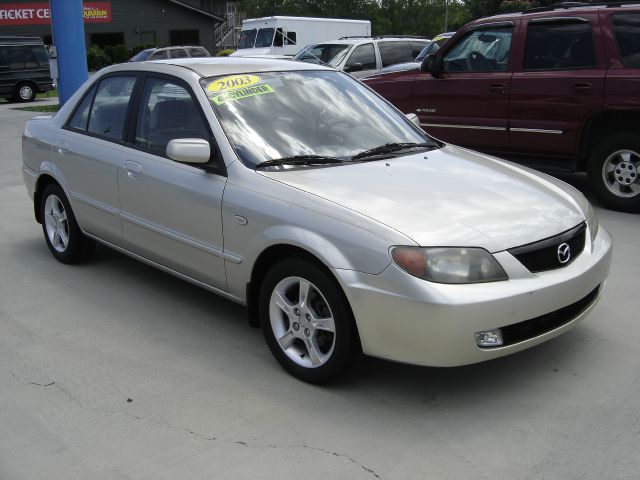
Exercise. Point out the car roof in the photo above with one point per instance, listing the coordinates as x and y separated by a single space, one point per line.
214 66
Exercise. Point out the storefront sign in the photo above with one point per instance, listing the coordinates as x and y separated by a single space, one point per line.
39 13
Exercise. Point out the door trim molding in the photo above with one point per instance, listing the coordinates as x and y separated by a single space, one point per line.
537 130
474 127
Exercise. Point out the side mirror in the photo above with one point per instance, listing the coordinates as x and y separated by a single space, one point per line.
189 150
413 118
354 67
429 64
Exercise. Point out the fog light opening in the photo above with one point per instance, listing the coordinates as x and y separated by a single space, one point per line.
489 338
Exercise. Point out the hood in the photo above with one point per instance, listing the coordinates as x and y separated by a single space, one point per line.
251 52
448 197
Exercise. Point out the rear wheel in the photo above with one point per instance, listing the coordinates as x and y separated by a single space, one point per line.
614 171
306 321
25 92
61 232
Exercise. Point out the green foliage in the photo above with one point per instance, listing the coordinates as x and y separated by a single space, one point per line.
225 53
117 53
97 58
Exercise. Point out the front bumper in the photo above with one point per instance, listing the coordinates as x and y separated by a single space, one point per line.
403 318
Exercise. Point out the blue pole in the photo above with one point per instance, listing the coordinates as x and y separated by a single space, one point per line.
67 24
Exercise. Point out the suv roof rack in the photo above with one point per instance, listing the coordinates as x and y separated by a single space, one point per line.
568 5
354 36
378 37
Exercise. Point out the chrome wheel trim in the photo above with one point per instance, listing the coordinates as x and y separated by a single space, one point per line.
621 173
302 322
25 92
56 224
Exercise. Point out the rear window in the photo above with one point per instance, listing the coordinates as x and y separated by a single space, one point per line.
626 28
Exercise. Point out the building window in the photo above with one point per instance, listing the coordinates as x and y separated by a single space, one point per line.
104 39
184 37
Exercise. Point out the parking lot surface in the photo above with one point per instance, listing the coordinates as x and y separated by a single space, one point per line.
114 370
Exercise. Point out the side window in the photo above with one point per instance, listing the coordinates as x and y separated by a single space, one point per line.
178 53
109 109
41 55
416 48
198 52
626 28
160 55
365 55
16 57
167 111
483 50
278 40
290 38
559 46
80 117
392 52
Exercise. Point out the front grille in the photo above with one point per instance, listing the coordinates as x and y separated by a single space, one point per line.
543 255
519 332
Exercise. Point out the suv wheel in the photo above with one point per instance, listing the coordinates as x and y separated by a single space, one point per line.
306 321
614 171
25 92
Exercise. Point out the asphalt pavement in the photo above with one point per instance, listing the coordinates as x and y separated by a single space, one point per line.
114 370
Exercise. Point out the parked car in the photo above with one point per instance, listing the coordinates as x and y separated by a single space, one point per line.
341 225
362 56
24 68
432 47
170 52
553 87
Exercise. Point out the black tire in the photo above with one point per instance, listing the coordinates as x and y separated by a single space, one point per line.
345 349
78 247
614 189
25 92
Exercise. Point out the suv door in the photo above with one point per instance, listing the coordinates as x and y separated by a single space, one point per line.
467 103
559 83
363 55
171 211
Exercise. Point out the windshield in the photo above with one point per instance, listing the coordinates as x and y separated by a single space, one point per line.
326 53
247 38
432 47
265 37
275 115
141 56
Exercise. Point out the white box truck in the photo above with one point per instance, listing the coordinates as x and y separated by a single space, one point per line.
286 36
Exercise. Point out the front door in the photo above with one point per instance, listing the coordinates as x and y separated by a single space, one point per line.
171 211
468 103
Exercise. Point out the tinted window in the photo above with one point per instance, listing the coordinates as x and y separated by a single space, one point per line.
21 57
394 52
484 50
110 107
178 53
626 28
81 115
198 52
365 55
247 38
326 53
160 55
290 38
559 46
167 111
264 37
42 57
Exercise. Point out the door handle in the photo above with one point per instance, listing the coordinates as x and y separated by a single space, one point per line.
498 88
62 146
132 168
582 87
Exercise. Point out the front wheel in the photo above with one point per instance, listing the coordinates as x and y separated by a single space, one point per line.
306 321
614 171
61 232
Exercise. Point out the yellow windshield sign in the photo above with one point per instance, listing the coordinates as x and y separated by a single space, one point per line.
241 93
233 82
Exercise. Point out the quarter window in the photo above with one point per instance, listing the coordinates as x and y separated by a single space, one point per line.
80 118
485 50
365 55
167 111
626 28
109 108
559 46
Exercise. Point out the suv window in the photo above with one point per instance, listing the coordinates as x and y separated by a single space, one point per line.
394 52
178 53
109 108
159 55
167 111
626 28
198 52
80 118
363 54
482 50
23 57
416 48
559 46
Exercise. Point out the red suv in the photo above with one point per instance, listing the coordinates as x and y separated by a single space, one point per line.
556 88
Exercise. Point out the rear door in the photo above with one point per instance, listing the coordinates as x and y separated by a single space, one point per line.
468 103
362 61
557 84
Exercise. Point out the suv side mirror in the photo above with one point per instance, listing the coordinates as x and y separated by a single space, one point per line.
431 65
354 67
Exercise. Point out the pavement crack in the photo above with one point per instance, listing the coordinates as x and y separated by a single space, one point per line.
32 383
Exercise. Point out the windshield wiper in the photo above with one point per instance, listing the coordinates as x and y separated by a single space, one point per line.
300 160
390 148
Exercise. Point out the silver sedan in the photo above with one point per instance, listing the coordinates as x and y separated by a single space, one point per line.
298 192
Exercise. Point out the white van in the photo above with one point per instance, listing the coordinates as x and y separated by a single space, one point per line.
285 36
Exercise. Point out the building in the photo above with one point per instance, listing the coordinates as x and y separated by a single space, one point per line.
126 22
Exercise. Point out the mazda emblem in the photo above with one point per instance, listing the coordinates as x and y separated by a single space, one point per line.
564 253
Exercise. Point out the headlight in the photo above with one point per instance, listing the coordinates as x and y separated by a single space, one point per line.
592 223
449 265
